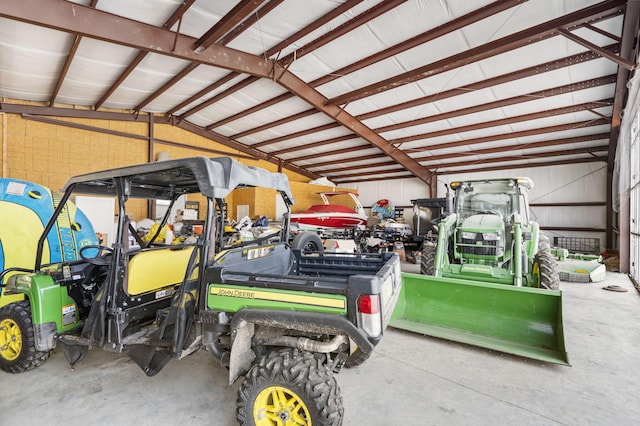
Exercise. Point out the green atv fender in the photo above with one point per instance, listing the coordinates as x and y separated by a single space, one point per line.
53 311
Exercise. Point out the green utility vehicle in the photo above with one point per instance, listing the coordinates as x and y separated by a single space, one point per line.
284 319
491 279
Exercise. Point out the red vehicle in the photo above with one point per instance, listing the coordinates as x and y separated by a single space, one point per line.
331 216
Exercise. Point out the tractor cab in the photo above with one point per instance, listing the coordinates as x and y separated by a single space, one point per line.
485 211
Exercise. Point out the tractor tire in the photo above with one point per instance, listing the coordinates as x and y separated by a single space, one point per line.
289 387
307 242
428 259
544 243
545 268
17 340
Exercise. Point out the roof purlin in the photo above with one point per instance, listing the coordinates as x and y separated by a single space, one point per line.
175 17
493 48
77 19
425 37
503 78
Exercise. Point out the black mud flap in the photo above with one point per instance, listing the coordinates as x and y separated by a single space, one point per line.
94 325
73 351
149 358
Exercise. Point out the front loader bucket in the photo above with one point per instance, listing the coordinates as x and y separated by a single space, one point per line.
517 320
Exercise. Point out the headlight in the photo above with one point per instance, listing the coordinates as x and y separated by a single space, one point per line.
468 235
490 236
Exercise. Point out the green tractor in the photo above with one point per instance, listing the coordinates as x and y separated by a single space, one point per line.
490 237
491 279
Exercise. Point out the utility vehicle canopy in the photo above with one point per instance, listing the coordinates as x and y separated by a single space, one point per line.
213 177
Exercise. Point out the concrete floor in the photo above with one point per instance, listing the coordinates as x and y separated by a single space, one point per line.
409 380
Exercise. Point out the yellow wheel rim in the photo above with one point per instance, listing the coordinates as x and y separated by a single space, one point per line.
10 340
535 271
279 406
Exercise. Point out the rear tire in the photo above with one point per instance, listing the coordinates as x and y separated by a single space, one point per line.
544 243
428 259
17 339
289 386
307 242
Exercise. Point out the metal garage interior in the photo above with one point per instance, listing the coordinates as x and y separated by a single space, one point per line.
391 98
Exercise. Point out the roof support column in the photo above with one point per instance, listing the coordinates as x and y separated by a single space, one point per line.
627 49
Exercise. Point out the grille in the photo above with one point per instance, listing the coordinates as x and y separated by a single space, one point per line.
489 248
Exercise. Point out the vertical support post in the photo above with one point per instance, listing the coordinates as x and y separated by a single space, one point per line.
150 143
5 143
627 50
433 186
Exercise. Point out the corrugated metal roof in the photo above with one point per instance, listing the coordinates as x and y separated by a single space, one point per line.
352 90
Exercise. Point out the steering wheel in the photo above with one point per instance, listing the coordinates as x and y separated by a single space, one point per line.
492 212
101 260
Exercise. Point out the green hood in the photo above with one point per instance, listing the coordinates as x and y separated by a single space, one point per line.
482 223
